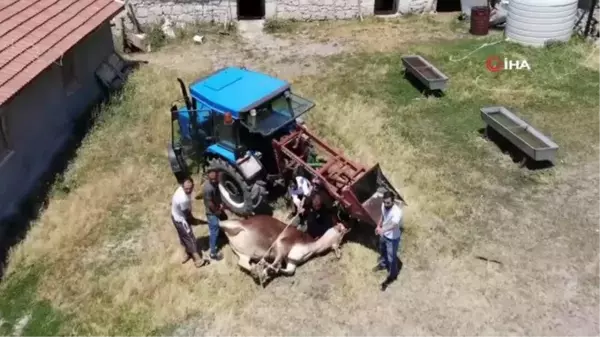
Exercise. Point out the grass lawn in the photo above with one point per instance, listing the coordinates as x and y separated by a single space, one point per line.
103 258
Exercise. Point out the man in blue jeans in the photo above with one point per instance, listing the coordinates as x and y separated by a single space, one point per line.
389 230
214 209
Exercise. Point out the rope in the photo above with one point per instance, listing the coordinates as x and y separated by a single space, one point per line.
487 44
262 260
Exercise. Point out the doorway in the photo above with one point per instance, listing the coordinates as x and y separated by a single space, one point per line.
250 9
383 7
445 6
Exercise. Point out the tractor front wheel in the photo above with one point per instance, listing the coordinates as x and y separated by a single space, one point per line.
236 194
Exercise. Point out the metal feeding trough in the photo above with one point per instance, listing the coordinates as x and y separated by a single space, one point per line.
427 73
529 140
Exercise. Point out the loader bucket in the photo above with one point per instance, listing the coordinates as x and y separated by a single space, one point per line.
367 195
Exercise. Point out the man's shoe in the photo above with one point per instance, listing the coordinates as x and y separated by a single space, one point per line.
385 284
201 262
378 267
216 257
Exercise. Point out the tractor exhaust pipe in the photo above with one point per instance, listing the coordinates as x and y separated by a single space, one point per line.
186 98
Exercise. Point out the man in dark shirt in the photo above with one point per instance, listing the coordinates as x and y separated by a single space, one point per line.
214 209
318 189
320 214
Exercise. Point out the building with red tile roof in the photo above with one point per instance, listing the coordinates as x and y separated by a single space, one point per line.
49 53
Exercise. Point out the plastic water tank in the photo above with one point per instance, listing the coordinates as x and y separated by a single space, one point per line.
536 22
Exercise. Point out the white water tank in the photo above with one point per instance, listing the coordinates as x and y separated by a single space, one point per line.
535 22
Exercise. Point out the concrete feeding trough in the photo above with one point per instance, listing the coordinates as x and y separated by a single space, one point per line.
425 72
518 132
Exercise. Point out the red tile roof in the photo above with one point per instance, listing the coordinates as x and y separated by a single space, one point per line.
36 33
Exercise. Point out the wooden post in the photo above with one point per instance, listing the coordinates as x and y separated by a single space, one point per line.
123 38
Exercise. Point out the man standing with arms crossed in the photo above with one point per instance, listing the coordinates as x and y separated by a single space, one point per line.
390 231
214 209
181 215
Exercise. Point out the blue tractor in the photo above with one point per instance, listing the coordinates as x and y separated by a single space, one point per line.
245 125
228 124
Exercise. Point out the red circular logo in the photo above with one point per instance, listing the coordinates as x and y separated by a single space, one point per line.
494 63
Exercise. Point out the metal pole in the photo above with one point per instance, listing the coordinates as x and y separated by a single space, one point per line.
590 16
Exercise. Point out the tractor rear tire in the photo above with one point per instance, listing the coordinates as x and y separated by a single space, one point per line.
243 200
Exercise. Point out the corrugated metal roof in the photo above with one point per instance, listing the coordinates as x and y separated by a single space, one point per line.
36 33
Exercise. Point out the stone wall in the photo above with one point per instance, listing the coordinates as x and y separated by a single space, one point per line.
178 11
152 11
322 9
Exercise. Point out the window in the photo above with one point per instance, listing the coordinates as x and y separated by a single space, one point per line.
274 114
226 134
69 78
4 146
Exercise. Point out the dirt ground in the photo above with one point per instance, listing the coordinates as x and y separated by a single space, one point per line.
553 232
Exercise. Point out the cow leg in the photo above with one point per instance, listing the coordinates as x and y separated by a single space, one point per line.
263 276
337 251
276 265
289 269
279 256
244 263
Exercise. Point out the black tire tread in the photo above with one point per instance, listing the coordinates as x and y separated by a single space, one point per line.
221 165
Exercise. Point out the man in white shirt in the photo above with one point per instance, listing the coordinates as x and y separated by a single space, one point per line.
181 215
300 188
390 231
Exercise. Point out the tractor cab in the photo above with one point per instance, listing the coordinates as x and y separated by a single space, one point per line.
228 123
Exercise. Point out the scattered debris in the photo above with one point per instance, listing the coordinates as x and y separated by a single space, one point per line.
487 260
198 39
499 13
167 29
137 39
133 18
587 20
113 72
20 325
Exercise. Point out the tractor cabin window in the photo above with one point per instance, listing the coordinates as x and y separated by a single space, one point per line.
5 150
225 133
279 111
69 77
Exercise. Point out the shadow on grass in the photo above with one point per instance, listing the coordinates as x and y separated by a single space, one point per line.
422 88
37 200
516 154
17 225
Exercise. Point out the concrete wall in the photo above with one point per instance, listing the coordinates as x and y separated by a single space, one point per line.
151 11
40 117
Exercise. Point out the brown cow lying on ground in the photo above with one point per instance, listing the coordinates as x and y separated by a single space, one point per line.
262 236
